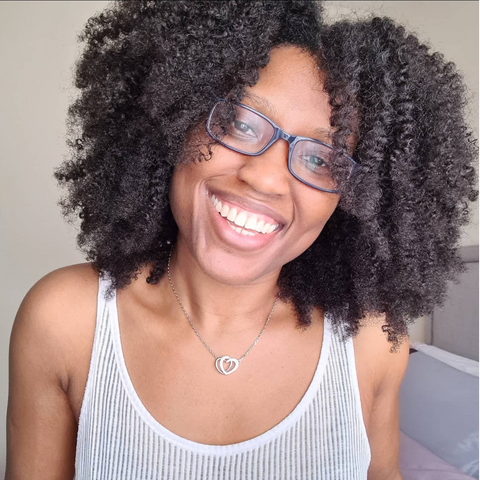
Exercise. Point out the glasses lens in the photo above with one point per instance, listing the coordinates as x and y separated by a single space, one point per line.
239 128
320 165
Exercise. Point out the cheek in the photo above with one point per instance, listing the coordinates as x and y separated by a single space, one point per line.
185 188
317 210
180 203
311 220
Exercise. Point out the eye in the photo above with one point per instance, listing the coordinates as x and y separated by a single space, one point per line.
243 128
314 163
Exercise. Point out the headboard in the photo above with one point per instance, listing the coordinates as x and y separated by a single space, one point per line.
454 326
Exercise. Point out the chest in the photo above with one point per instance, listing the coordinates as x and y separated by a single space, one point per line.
177 382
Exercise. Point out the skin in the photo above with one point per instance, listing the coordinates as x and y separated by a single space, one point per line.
215 275
230 289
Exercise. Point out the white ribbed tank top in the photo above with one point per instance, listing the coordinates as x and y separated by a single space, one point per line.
324 437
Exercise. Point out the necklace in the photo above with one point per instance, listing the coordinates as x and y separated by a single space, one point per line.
220 361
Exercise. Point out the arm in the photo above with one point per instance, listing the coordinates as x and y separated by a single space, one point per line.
383 428
41 428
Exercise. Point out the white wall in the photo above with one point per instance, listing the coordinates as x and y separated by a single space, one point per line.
37 51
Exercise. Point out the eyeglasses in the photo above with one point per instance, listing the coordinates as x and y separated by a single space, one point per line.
245 130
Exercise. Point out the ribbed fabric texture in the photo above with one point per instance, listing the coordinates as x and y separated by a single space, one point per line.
323 438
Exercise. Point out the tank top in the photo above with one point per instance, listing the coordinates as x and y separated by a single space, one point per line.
324 437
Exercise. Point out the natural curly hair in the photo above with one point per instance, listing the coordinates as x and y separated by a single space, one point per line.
150 73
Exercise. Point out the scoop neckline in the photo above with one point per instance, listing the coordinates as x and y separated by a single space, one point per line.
205 448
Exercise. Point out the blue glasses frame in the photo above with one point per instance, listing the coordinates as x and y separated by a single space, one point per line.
279 134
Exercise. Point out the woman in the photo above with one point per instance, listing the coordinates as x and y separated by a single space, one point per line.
245 311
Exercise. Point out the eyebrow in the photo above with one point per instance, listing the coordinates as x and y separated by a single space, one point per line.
323 134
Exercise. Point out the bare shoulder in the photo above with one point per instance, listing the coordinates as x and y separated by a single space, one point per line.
52 332
381 369
63 280
378 358
56 314
58 297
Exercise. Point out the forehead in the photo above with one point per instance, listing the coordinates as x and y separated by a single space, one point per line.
290 91
294 73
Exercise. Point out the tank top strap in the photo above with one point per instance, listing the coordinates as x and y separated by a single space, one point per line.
343 359
102 327
101 344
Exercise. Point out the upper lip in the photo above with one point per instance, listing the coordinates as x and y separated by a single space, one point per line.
251 206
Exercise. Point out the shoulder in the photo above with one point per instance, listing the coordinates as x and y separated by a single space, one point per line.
384 363
56 317
59 297
381 369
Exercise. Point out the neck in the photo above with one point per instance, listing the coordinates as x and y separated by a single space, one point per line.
214 307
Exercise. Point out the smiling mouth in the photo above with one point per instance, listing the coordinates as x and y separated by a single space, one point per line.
243 222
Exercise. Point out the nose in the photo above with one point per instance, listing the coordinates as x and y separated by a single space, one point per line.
268 173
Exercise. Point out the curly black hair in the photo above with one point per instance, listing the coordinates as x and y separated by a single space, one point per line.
150 73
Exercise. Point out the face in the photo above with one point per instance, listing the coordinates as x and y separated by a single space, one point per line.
262 189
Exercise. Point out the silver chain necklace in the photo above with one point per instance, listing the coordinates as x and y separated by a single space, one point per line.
220 362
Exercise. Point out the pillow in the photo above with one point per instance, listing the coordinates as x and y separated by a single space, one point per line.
461 363
418 463
439 409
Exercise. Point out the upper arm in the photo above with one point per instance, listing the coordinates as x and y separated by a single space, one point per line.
41 428
384 427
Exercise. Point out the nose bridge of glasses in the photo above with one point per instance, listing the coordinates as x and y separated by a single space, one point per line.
286 136
282 135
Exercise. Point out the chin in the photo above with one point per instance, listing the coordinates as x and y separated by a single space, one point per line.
234 268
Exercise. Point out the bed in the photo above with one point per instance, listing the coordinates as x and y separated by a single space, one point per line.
439 418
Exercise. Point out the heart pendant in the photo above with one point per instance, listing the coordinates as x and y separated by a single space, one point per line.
233 365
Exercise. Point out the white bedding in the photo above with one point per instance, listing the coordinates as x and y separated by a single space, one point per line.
461 363
439 410
418 463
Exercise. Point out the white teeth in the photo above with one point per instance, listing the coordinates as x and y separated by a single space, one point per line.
224 211
232 214
241 230
259 226
242 219
251 222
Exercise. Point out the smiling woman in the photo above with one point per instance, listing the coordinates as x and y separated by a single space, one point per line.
257 188
266 202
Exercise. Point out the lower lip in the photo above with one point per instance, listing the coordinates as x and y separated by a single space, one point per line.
237 240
